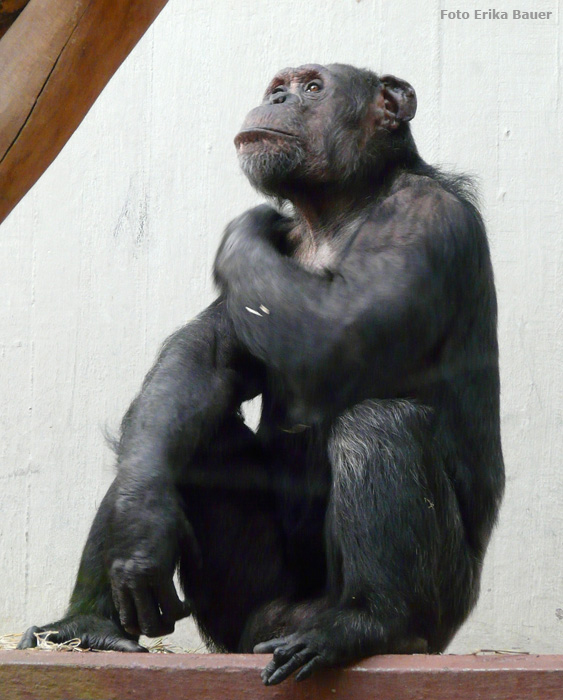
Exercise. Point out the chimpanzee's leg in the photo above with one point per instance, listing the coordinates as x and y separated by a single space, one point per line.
231 506
91 615
401 576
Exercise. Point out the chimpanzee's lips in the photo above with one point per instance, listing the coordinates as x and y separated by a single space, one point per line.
256 133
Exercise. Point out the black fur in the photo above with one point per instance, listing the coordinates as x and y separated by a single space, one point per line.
356 520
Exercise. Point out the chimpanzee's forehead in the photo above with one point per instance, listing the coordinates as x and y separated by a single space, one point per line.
313 70
301 72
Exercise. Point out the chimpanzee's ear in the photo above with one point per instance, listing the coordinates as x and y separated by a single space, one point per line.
398 100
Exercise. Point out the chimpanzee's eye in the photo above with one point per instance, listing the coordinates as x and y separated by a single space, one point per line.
313 86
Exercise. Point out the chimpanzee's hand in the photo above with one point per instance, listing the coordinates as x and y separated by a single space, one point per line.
149 530
243 235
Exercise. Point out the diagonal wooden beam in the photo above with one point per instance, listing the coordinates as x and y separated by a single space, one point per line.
9 10
55 59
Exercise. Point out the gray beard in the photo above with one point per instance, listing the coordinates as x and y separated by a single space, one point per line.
267 171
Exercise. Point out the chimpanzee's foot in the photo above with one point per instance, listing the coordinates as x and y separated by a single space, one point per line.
93 632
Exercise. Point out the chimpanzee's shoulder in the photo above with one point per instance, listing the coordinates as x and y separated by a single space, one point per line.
414 186
420 197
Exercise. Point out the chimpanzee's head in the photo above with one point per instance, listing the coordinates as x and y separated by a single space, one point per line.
324 124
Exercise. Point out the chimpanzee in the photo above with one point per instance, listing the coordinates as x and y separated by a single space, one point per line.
355 520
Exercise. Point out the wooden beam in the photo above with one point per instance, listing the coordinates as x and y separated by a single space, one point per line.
55 60
9 7
114 676
9 10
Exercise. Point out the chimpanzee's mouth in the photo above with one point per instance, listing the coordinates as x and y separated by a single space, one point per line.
257 133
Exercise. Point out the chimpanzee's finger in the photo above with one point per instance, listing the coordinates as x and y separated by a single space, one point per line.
270 646
148 612
123 601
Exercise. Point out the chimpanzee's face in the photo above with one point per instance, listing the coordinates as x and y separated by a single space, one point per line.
302 132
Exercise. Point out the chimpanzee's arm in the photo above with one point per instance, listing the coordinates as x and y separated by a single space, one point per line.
199 379
359 330
200 376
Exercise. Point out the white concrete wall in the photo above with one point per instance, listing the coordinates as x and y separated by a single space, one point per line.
112 250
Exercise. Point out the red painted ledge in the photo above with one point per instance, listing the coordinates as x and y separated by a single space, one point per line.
38 675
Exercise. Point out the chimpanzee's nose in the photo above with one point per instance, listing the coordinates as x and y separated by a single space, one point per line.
281 96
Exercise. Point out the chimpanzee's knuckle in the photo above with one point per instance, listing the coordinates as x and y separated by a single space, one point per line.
117 570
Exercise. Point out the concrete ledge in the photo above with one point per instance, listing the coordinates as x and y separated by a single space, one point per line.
38 675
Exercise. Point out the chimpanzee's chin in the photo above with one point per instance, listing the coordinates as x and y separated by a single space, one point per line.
267 170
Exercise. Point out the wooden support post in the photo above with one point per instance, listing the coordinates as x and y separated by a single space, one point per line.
26 675
55 59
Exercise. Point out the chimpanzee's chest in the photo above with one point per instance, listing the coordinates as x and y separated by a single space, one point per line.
324 248
321 256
